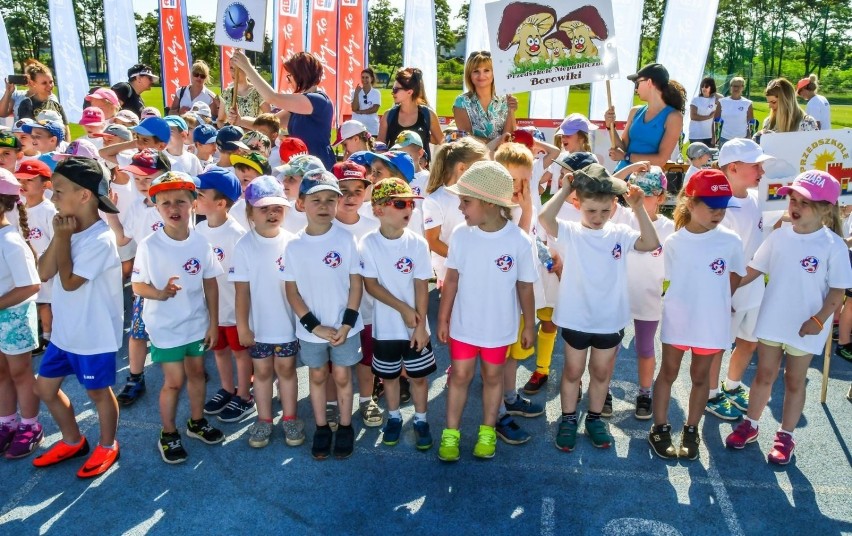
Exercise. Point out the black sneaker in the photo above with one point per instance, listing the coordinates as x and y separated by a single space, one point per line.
236 410
689 443
202 430
607 407
344 442
216 404
131 391
42 345
660 439
404 390
643 408
321 449
171 448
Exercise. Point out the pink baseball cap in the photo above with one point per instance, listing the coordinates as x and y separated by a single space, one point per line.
92 116
9 185
814 185
80 148
104 93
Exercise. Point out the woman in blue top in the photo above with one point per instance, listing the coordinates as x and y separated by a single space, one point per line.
307 112
480 111
652 130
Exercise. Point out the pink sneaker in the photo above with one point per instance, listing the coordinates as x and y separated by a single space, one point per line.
742 435
27 438
7 433
782 449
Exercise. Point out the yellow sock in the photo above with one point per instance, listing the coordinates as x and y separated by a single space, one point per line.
546 342
516 351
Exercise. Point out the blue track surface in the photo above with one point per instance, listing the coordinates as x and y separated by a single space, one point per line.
529 489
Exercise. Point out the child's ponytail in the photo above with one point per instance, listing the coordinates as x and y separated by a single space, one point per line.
681 214
465 150
11 202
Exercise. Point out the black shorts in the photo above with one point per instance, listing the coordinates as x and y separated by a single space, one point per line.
390 356
581 340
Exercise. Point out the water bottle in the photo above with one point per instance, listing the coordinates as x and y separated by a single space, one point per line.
543 254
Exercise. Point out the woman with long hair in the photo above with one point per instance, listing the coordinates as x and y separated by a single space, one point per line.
410 111
196 91
785 115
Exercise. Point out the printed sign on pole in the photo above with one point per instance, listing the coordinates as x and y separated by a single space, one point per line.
241 24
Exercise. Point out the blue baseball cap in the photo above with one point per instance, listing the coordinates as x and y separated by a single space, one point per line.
399 160
176 121
264 191
227 136
54 128
204 134
222 180
156 127
318 180
360 158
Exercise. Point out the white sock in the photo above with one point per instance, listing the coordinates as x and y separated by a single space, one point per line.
363 399
786 432
420 417
46 335
754 423
714 393
9 420
394 414
30 422
501 411
730 384
331 403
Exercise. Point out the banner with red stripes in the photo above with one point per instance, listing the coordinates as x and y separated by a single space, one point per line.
176 58
322 42
288 37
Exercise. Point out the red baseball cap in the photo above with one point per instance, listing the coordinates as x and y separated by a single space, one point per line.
350 171
523 137
712 188
291 147
30 169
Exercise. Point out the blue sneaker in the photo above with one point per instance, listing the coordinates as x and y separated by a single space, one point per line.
721 407
391 432
738 397
424 436
236 410
131 391
524 407
509 431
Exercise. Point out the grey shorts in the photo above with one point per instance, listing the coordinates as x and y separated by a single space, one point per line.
318 354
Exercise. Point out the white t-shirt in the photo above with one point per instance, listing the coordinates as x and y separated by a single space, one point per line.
360 229
645 273
40 220
490 264
441 209
688 175
186 162
184 318
186 101
90 320
697 304
17 264
259 261
126 195
396 264
735 117
702 130
593 290
321 266
238 212
141 220
294 221
819 109
223 239
747 223
802 268
371 121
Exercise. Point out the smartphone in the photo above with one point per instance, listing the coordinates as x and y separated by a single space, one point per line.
17 79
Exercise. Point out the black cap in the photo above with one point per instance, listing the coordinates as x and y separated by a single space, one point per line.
576 161
654 71
89 174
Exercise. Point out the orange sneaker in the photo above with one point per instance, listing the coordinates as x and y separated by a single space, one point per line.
60 452
99 462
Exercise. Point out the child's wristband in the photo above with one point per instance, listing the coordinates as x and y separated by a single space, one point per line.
309 322
350 317
818 323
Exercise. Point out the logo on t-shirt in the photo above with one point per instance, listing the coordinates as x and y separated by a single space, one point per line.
810 264
505 262
416 190
192 266
157 226
231 270
280 262
718 266
616 252
332 259
35 233
760 224
220 253
404 265
657 252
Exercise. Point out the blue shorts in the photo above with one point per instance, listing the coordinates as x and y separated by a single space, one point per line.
137 325
95 371
262 350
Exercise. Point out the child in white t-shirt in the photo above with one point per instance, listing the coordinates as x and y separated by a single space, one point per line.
323 286
247 167
703 265
593 306
181 159
175 272
290 175
488 285
396 270
809 267
264 319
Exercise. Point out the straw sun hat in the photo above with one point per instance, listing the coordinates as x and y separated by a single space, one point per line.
487 181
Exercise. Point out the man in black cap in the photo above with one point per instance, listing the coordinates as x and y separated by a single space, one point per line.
140 79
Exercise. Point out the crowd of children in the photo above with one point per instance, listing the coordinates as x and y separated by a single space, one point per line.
242 244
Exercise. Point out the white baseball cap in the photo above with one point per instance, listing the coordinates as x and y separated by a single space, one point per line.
348 129
742 150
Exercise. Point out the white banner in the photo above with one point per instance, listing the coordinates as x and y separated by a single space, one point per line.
419 47
627 16
549 103
121 44
685 41
551 44
7 65
477 31
71 77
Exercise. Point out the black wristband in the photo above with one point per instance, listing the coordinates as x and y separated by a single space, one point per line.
309 322
350 316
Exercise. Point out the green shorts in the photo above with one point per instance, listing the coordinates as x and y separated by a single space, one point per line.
178 353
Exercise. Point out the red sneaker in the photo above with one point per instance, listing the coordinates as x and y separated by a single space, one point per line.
537 381
99 462
782 449
60 452
742 435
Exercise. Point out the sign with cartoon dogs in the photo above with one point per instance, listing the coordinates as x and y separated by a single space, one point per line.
241 24
537 45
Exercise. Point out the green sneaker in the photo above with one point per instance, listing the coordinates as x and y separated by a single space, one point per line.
449 449
566 435
738 397
721 407
598 432
486 442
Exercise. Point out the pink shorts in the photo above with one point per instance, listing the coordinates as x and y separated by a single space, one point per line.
696 350
460 351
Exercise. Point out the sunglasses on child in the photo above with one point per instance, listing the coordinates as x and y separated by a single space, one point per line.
401 204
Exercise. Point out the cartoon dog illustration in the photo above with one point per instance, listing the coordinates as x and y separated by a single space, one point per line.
582 25
525 24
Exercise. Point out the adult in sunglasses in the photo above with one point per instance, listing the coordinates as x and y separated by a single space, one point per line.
196 91
366 101
411 111
480 111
